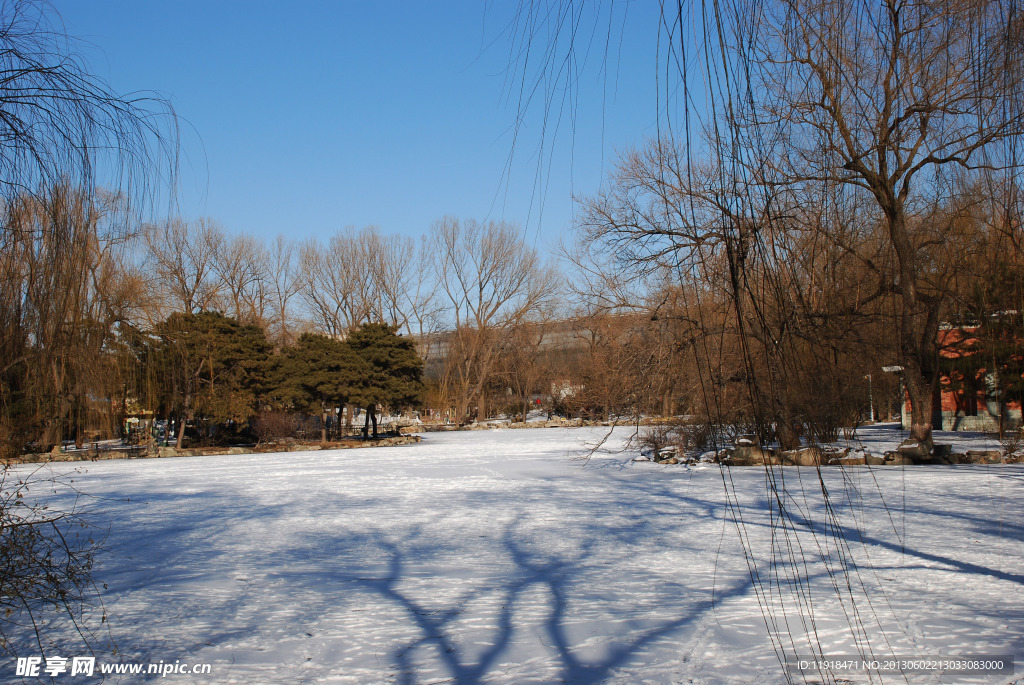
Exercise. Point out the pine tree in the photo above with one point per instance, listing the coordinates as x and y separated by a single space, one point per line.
219 367
317 375
394 373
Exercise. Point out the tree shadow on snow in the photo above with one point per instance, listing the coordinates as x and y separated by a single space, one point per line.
555 576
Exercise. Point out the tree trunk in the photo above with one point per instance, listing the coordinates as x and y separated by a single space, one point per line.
78 424
788 432
366 425
914 342
180 427
920 392
373 419
461 408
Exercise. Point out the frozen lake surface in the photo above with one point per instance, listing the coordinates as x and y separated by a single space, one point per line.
499 557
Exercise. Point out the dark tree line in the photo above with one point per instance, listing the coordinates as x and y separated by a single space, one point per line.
373 367
211 374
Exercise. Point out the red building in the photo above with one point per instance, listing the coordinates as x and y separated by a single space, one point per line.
967 397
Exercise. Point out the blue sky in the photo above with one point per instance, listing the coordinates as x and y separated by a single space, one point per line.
304 117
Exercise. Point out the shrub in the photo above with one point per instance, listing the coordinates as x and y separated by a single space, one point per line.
46 559
275 426
655 439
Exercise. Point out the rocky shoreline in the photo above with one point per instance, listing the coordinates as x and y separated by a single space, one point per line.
755 455
159 452
499 424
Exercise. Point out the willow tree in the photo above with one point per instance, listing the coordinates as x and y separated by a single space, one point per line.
888 104
64 133
890 100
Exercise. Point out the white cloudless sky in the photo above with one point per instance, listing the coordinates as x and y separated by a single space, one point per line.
304 117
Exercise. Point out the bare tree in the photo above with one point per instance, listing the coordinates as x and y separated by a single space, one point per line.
491 281
885 98
336 282
389 261
887 101
63 133
183 259
283 270
240 263
615 366
523 367
62 293
424 306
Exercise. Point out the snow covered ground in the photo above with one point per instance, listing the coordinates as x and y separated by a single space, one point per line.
501 557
